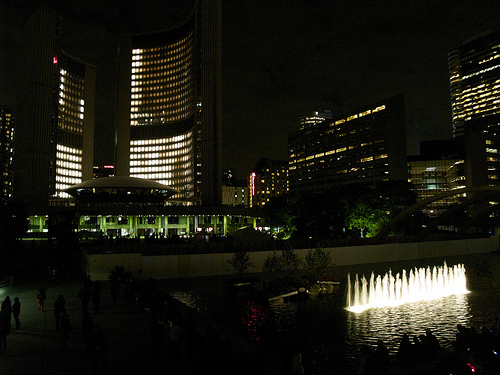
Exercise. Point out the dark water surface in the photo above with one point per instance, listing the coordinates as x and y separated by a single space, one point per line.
330 337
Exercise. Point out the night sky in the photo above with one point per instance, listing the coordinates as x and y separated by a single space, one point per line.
281 60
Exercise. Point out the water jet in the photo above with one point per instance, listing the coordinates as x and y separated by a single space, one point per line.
418 284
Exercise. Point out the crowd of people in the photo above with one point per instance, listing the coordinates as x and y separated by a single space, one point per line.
472 352
94 339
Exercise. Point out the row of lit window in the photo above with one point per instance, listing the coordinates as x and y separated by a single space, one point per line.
362 160
164 56
148 94
495 56
161 141
162 120
175 150
63 172
482 71
166 167
69 165
358 115
60 193
149 90
67 180
163 79
159 155
163 99
161 61
149 115
180 101
139 51
162 69
322 154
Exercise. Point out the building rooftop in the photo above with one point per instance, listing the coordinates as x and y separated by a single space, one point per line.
121 189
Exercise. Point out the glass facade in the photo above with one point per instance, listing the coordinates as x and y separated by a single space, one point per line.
432 177
163 109
474 71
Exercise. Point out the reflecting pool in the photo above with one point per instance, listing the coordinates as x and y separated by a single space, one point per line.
330 337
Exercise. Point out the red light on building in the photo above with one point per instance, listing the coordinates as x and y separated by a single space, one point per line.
54 60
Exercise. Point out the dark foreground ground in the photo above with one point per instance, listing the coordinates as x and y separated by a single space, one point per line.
35 348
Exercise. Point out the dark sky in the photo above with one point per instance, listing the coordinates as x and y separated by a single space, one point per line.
284 59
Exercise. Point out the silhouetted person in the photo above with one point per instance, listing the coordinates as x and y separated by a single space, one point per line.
115 291
7 308
298 367
100 346
174 336
65 329
381 359
16 310
87 331
405 348
4 329
42 295
96 296
157 329
59 309
432 344
85 294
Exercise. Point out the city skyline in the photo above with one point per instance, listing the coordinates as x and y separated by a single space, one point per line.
323 56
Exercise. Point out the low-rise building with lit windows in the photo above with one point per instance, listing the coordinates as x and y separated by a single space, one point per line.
364 146
268 179
439 168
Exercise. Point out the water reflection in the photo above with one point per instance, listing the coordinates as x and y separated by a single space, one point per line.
390 323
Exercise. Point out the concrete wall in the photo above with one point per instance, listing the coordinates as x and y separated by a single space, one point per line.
177 266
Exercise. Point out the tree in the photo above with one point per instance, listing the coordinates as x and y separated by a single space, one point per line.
375 207
282 270
282 212
240 262
317 261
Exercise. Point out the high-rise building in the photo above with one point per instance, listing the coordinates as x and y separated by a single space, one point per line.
6 152
159 134
474 71
364 146
210 97
268 179
55 122
168 129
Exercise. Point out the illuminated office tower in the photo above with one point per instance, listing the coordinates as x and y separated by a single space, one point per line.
55 116
162 97
474 70
75 124
169 107
6 152
365 146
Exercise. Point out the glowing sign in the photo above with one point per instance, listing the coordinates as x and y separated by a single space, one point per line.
54 60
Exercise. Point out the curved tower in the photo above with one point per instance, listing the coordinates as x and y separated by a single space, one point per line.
162 108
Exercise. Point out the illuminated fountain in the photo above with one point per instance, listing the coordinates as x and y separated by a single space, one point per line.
417 285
